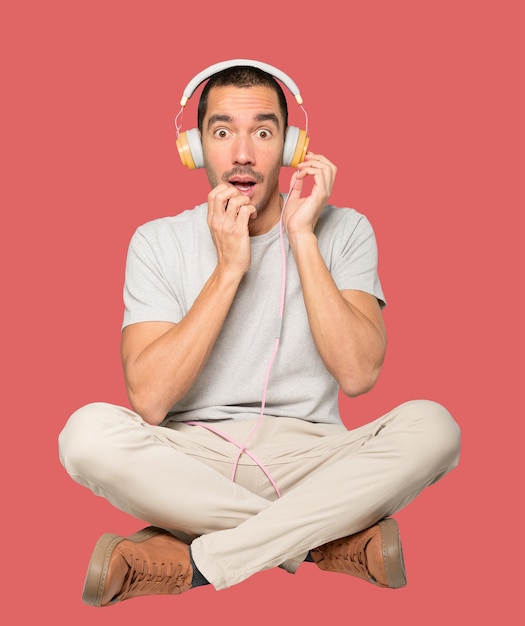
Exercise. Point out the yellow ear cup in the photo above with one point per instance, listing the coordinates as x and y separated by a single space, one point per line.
300 149
184 151
190 149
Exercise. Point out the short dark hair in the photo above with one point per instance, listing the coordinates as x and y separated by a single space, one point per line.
241 76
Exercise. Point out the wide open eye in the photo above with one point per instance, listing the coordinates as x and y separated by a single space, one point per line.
221 133
264 133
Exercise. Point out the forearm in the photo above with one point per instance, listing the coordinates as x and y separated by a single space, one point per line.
161 373
350 339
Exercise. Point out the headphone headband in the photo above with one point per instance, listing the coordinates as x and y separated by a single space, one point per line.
189 143
218 67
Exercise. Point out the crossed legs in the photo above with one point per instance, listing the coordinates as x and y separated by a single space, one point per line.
334 482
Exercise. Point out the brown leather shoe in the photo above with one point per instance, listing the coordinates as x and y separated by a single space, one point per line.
149 562
374 554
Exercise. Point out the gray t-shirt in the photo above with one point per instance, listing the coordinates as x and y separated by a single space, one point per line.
169 261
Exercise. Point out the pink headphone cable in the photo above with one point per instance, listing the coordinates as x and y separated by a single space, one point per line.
274 353
242 446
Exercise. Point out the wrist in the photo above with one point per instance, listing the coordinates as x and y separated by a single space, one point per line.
302 240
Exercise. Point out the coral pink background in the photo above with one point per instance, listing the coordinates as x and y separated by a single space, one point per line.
420 104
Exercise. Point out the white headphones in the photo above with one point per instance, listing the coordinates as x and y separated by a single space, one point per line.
189 143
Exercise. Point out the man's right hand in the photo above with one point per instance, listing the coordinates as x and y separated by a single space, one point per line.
229 214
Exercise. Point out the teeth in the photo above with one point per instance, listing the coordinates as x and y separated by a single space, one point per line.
243 186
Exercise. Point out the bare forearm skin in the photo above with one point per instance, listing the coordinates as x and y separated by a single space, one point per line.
348 330
161 373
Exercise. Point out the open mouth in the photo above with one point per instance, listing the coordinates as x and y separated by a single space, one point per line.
243 185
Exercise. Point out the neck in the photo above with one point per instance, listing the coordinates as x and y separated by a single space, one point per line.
267 217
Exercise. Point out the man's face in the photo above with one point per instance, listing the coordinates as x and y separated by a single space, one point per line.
242 141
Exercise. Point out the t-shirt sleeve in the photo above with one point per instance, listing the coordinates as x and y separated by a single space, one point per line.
355 256
148 295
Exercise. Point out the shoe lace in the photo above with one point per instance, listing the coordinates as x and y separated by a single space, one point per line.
148 578
342 557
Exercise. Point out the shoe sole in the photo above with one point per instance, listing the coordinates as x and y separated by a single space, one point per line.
392 553
98 565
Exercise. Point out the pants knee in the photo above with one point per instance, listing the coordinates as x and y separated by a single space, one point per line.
79 442
440 434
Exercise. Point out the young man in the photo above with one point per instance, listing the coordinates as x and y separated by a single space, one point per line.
243 318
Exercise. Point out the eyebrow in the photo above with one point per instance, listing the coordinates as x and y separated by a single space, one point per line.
261 117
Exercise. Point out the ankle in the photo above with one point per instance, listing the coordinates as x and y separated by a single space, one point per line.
198 578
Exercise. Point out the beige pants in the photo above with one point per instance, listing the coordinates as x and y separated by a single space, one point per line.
332 481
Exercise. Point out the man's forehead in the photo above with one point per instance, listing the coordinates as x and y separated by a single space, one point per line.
243 102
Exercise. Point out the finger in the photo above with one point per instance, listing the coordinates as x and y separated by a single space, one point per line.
223 203
246 213
322 164
321 174
296 184
219 197
318 161
234 205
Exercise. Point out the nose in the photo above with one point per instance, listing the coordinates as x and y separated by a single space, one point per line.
243 152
